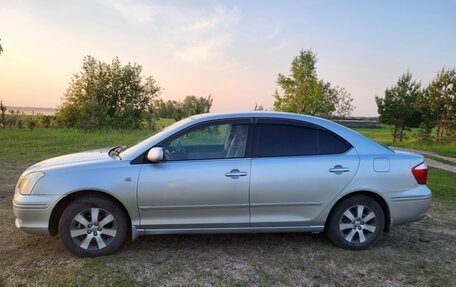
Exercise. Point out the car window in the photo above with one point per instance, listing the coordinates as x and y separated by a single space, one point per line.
285 140
217 141
331 144
294 140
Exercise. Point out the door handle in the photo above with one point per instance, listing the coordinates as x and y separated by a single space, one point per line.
339 169
235 173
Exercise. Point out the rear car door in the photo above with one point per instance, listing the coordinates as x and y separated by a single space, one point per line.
297 170
203 181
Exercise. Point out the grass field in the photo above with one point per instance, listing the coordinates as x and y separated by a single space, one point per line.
39 144
417 254
18 143
383 135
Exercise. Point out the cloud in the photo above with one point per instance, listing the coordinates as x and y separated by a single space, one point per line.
275 31
133 11
207 39
214 20
197 36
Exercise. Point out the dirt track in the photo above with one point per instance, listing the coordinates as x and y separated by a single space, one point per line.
435 160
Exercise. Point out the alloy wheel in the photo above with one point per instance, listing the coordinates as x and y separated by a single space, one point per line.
93 228
358 224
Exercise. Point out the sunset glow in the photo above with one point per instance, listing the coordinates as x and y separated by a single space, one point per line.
232 50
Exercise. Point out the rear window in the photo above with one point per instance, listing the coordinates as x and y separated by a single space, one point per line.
331 144
275 140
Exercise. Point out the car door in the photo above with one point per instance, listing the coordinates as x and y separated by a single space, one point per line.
297 170
203 181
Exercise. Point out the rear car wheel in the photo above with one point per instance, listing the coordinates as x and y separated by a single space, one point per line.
356 223
92 226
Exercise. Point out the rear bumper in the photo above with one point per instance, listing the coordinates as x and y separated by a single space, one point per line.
33 212
409 206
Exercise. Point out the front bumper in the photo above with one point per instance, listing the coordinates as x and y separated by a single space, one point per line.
33 212
410 205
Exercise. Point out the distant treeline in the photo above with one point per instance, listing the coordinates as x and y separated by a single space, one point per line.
32 110
174 110
18 119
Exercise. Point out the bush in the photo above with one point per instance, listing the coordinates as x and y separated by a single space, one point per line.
105 95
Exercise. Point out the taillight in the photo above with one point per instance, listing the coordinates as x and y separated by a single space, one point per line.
420 173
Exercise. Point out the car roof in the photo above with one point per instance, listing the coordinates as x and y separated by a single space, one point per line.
267 114
253 114
362 144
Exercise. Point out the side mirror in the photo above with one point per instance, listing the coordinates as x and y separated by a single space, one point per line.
155 154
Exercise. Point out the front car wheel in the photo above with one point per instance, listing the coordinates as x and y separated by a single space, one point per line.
92 226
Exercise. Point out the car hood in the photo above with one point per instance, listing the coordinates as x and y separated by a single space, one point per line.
72 159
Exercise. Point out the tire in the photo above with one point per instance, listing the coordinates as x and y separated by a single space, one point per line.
356 223
89 238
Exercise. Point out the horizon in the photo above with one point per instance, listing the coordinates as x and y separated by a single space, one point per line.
52 111
231 50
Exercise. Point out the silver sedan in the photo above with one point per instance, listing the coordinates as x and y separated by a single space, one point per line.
226 173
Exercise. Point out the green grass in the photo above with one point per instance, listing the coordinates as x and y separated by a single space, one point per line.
383 135
161 123
23 144
39 144
443 184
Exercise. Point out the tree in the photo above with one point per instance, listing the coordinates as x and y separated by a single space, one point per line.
258 108
151 118
192 105
302 92
398 107
165 110
428 118
107 95
44 121
30 122
344 107
2 114
440 104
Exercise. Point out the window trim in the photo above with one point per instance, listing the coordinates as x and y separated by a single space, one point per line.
142 158
295 123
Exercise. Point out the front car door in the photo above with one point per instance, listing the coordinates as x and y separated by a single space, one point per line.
297 170
203 181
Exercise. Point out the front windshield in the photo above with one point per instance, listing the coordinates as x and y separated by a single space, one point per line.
143 143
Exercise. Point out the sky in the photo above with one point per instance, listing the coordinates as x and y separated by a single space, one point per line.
232 50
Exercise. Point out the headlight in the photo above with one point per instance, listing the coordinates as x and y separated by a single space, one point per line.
26 184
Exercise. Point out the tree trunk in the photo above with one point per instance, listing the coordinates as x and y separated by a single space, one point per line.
401 132
437 132
444 129
395 133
